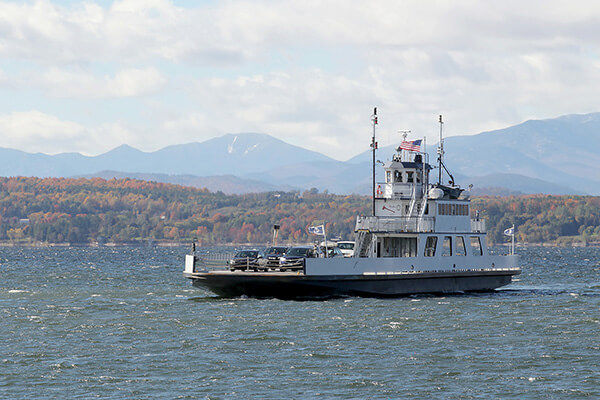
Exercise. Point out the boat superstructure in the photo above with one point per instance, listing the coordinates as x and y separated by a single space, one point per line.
422 237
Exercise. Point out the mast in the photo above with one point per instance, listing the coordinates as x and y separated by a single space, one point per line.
424 159
440 153
374 147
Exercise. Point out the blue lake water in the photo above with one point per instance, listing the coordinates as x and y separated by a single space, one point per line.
117 323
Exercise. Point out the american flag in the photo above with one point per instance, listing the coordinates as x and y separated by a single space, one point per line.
413 145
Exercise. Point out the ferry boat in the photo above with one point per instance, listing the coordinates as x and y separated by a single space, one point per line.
420 238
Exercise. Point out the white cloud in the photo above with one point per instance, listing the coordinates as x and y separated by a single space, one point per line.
34 125
128 31
82 84
34 131
231 31
308 72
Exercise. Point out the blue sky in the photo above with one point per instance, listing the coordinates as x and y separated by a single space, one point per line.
89 76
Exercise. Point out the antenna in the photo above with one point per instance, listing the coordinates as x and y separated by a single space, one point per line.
440 152
374 147
404 133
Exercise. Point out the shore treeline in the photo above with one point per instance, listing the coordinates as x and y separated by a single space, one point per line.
89 211
562 220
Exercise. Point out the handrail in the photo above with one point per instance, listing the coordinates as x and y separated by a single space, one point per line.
407 224
395 224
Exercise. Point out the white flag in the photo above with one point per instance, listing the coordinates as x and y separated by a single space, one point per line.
510 231
317 230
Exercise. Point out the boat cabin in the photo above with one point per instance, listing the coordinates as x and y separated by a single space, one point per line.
416 219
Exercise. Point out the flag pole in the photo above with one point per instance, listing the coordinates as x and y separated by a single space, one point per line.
513 239
374 147
440 152
325 236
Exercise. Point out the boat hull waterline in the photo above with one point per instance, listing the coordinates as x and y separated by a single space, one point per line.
290 285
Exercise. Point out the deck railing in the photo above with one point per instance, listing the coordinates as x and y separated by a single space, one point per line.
395 224
214 259
407 224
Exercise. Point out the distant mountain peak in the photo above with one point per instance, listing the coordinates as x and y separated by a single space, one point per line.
124 148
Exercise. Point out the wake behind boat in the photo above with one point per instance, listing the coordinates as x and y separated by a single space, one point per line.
420 238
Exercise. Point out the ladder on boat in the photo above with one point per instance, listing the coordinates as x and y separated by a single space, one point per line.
363 242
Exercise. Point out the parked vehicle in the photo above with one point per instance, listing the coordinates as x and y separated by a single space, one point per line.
334 252
295 256
347 248
271 257
244 260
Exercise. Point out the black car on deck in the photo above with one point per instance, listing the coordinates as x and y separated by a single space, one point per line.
331 252
294 257
271 256
244 260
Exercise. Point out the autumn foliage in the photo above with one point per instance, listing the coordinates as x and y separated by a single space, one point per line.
59 210
85 211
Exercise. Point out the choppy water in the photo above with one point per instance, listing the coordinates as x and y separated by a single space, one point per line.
123 323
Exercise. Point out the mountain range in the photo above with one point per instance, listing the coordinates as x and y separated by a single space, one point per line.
553 156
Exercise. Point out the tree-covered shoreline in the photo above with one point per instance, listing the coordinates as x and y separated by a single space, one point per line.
95 211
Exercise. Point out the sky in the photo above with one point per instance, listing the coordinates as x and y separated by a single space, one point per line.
85 76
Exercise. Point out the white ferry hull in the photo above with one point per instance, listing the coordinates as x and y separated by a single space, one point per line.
289 285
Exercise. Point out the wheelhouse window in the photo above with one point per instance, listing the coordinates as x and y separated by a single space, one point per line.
397 176
430 245
476 248
388 176
447 247
409 177
460 246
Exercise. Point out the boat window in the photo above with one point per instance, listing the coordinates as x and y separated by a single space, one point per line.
460 246
430 245
399 247
447 249
397 176
388 176
409 177
476 249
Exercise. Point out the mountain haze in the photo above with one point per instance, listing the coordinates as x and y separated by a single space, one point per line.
554 156
235 154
